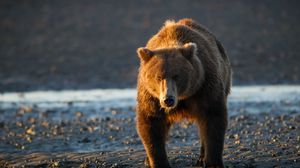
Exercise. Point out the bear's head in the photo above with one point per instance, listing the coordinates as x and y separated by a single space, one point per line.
171 74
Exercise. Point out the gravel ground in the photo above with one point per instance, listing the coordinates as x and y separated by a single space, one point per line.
35 139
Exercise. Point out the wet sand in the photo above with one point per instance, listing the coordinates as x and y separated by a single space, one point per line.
263 131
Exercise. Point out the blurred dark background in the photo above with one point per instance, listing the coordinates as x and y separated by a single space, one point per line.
60 44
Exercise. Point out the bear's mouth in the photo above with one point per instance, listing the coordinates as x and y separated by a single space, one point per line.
169 109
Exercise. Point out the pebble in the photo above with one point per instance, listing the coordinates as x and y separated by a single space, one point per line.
30 131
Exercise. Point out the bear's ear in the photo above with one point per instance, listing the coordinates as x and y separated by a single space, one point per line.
144 53
189 50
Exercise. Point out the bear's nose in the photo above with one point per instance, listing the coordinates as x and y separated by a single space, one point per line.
169 101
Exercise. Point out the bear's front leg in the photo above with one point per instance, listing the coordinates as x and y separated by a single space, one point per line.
153 132
212 131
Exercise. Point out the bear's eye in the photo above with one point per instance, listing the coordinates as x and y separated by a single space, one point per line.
175 77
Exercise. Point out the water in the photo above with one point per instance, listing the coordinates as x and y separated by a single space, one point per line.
98 103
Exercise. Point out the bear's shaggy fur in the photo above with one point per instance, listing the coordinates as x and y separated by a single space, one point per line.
184 73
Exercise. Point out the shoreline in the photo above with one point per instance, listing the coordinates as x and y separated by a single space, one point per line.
98 102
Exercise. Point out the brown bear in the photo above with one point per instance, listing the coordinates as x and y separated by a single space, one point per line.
184 74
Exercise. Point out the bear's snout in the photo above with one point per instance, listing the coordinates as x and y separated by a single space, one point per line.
168 94
169 101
